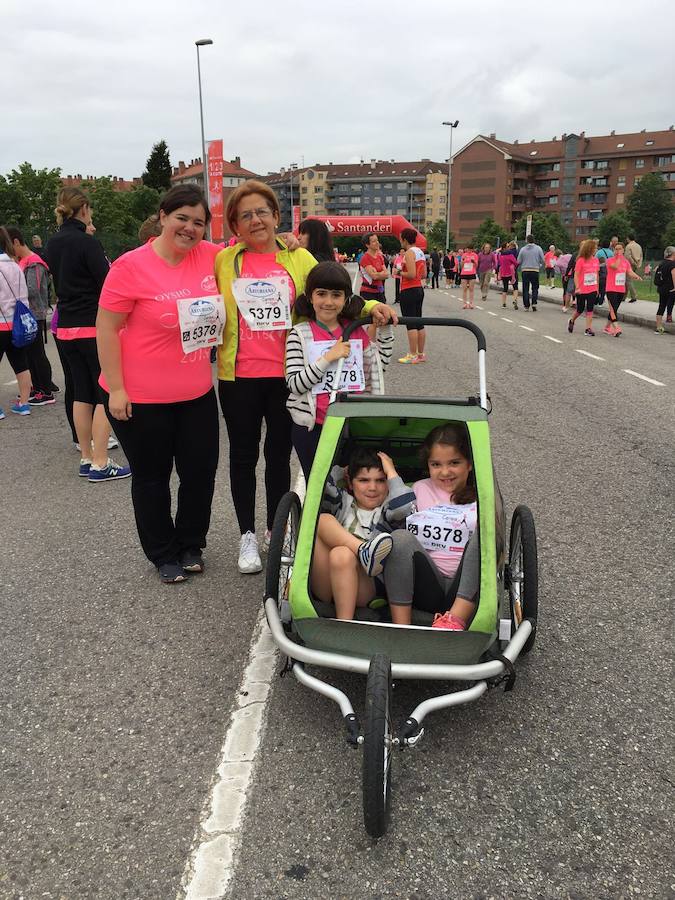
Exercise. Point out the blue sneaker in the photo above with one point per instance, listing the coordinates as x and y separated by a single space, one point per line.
373 553
21 409
110 472
85 468
2 413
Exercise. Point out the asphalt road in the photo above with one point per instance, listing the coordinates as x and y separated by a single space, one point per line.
116 691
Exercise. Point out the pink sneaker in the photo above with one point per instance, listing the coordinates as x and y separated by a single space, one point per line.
420 358
608 329
448 622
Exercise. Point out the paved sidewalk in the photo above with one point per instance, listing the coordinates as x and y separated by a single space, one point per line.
642 312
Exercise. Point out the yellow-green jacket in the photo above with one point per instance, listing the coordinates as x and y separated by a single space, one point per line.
298 264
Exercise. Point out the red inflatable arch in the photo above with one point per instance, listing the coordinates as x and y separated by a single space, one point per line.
354 226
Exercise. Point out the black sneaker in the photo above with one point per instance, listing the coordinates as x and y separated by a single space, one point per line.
171 573
534 307
192 562
40 399
54 388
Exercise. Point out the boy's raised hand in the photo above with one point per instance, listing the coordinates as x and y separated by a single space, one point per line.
388 465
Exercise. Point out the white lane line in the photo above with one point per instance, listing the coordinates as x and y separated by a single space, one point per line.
645 378
211 864
504 319
555 340
592 355
490 313
526 328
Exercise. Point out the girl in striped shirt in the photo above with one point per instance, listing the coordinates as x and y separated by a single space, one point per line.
313 349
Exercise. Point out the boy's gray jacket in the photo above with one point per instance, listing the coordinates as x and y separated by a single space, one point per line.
400 502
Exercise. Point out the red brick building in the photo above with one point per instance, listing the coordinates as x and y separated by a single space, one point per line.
580 178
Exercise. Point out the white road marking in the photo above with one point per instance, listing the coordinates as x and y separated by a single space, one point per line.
211 864
504 319
555 340
526 328
592 355
490 313
645 378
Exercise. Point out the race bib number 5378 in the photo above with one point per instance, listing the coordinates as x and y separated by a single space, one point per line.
201 321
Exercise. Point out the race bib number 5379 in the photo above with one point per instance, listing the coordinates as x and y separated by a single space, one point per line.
264 303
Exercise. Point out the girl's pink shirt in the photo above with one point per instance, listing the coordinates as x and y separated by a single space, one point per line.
261 354
320 334
145 287
429 493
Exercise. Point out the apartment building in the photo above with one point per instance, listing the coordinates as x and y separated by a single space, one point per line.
416 190
580 178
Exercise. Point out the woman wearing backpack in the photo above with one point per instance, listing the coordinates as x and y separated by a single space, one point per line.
13 288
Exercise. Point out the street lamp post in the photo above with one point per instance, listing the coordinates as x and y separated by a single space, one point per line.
290 170
203 43
452 125
410 201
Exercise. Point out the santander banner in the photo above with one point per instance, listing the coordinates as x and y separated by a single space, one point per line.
354 226
214 153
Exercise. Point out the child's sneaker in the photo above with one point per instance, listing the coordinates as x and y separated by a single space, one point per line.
421 358
110 472
589 332
448 622
85 468
659 330
373 553
608 329
408 358
21 409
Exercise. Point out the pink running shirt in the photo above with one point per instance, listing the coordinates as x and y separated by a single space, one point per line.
143 285
428 494
617 266
586 272
261 354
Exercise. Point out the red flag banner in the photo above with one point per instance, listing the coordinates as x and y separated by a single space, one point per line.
214 152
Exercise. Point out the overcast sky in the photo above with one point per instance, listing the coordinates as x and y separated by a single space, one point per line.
90 85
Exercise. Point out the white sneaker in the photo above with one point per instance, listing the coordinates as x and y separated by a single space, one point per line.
112 442
266 540
249 556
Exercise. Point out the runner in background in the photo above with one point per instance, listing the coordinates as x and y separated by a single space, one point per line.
664 278
435 268
507 273
13 288
549 265
373 270
568 283
618 271
585 285
511 249
486 266
396 266
412 295
469 268
458 264
448 267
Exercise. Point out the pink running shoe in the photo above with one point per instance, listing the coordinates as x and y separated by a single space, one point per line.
608 329
448 622
421 358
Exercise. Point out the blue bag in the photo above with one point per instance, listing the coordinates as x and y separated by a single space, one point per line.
24 326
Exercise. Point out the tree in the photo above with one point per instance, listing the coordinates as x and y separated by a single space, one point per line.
651 209
37 190
14 207
547 229
668 239
143 202
615 224
436 236
157 173
488 232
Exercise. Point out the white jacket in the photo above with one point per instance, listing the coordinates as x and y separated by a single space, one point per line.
12 288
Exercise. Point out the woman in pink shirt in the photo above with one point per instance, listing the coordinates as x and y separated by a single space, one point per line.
618 270
468 275
549 265
160 317
586 285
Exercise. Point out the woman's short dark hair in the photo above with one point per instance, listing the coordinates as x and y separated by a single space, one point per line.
365 240
330 276
409 235
6 245
184 195
15 234
320 242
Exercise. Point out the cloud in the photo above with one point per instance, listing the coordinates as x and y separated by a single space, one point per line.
92 87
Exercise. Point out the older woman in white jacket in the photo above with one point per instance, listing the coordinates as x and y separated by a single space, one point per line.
13 288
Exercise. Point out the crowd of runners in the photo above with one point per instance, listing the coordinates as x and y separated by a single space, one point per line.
137 340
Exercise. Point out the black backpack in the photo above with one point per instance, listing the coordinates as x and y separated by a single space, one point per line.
660 276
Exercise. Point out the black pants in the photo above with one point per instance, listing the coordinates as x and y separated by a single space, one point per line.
16 356
67 387
305 443
435 273
157 436
397 288
40 368
530 279
245 402
666 303
81 356
614 299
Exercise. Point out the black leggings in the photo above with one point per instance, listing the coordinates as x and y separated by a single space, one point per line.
153 439
411 301
67 387
666 303
245 402
40 368
614 302
305 443
16 356
81 357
